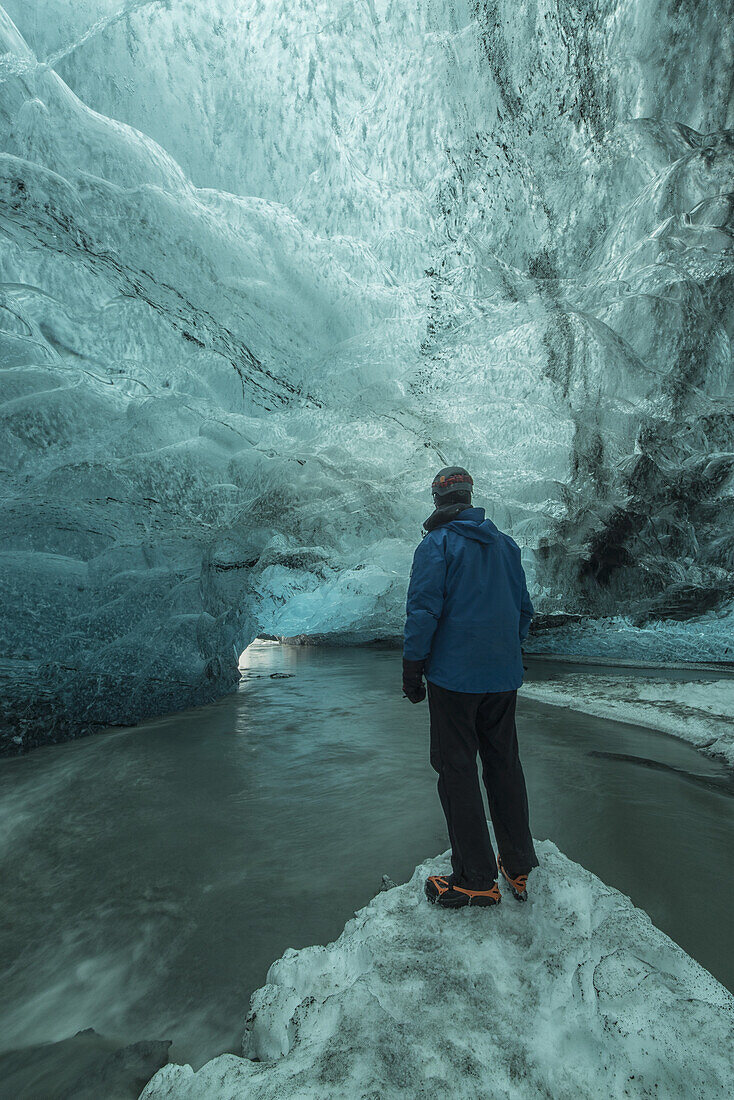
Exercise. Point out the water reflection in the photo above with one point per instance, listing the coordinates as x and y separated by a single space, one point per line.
152 875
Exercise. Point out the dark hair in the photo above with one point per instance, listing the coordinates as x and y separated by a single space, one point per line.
460 496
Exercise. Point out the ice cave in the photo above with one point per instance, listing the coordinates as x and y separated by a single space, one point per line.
264 269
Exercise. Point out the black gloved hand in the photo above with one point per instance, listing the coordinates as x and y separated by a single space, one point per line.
413 680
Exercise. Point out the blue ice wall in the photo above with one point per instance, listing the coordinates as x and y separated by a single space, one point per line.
265 267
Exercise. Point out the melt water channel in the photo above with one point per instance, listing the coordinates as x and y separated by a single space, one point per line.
151 875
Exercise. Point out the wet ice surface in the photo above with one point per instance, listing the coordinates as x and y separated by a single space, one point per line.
86 1066
151 876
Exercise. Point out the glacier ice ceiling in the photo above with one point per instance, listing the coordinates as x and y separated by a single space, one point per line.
265 267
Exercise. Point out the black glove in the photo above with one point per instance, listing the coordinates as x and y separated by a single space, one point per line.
413 680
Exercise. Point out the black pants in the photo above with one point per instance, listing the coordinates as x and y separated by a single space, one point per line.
462 725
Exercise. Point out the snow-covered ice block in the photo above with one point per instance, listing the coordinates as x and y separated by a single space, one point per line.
699 711
576 994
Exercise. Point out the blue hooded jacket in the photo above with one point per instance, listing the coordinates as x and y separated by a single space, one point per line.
468 607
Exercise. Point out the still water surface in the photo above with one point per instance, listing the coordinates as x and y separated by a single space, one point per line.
150 876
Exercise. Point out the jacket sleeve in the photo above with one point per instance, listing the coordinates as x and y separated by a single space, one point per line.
425 598
526 608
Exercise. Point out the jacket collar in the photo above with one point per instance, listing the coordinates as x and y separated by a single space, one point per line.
451 512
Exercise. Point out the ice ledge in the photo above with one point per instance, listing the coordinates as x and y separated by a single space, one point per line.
576 994
697 711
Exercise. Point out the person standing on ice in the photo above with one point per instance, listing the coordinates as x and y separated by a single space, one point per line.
468 611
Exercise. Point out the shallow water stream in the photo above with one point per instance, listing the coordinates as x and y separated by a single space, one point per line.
150 876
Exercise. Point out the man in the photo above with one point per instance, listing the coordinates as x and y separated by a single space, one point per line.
468 611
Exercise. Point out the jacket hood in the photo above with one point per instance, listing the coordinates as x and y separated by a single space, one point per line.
473 525
464 520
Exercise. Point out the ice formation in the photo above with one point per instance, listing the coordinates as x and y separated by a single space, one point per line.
264 267
699 711
577 994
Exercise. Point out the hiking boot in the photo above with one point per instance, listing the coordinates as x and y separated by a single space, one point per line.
441 891
518 885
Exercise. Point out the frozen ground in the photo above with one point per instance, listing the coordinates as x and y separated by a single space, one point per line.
701 711
575 995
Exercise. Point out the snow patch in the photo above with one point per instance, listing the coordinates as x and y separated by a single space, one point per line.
575 994
700 711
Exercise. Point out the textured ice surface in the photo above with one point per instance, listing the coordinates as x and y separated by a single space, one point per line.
701 712
617 638
264 267
576 994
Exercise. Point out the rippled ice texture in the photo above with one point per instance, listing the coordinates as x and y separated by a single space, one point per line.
345 244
